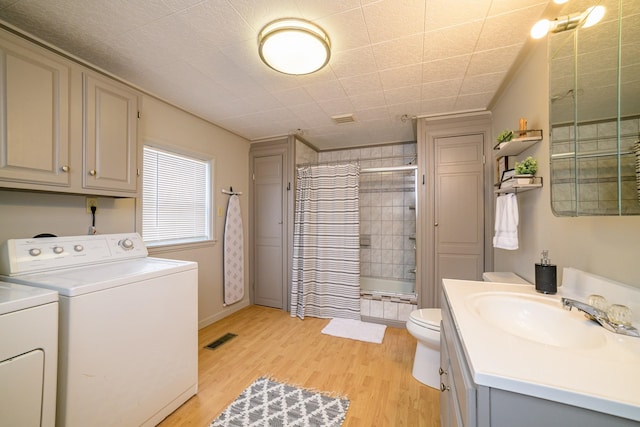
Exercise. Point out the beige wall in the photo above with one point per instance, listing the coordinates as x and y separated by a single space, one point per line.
25 214
606 246
162 123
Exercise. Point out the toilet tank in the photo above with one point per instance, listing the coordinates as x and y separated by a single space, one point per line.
503 277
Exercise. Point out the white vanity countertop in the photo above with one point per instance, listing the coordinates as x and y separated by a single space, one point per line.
605 378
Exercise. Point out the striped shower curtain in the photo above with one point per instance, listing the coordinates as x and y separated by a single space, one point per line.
326 243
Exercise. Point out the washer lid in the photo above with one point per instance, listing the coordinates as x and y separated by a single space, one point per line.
427 317
14 297
83 280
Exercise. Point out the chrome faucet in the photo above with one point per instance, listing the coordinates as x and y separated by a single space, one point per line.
601 317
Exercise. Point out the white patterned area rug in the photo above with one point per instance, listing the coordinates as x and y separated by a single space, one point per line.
270 403
355 330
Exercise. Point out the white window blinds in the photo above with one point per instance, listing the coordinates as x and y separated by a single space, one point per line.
176 198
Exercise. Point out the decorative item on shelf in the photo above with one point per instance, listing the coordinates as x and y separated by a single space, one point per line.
523 127
503 138
525 170
507 180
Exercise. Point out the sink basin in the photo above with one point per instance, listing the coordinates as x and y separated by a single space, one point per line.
536 318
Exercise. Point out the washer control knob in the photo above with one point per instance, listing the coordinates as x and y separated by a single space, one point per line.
78 248
58 249
34 251
126 244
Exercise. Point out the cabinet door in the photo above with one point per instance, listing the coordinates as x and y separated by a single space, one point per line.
110 135
34 115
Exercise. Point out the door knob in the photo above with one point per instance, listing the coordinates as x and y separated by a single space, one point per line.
92 172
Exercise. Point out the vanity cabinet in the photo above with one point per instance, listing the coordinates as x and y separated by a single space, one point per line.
465 403
63 127
110 135
34 114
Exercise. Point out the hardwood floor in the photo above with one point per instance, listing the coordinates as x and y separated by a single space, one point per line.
375 377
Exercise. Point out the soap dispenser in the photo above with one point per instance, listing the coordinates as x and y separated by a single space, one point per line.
546 278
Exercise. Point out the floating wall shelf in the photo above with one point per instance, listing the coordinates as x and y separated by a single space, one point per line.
512 186
525 139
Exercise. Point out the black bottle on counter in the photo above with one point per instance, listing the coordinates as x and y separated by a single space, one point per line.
546 275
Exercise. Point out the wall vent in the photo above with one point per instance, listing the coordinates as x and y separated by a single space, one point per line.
343 118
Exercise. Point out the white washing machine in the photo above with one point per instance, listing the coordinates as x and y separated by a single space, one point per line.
28 355
128 328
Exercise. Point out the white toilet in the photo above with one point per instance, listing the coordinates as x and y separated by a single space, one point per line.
424 325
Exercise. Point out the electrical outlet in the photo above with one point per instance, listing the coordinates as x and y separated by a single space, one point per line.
91 202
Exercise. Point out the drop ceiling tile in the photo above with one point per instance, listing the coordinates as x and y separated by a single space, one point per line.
311 115
292 97
502 30
439 13
346 30
336 106
353 62
402 95
493 61
441 89
399 52
258 13
321 91
437 105
217 23
499 7
178 5
451 41
476 101
482 83
372 114
445 69
313 10
362 84
392 19
368 100
410 75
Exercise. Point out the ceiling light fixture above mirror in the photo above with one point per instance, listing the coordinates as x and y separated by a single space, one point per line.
294 46
586 19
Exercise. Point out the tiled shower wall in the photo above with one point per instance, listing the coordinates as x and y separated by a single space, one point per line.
387 210
596 175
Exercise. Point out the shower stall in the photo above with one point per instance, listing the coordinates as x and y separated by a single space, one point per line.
387 204
388 243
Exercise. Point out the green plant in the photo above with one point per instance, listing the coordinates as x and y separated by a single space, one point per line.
505 136
528 166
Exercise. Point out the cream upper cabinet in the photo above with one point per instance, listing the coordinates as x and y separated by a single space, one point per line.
34 115
110 135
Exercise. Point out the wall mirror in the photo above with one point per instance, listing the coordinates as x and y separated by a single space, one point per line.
594 112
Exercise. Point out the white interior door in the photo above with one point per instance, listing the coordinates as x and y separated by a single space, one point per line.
269 249
458 209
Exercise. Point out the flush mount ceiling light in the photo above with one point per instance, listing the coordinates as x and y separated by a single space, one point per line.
586 19
294 46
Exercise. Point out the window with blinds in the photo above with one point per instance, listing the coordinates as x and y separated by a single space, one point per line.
176 198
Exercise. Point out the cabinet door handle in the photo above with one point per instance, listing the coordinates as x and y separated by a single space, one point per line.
92 172
444 388
65 168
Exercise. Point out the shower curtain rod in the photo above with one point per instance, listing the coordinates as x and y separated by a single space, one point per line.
389 169
412 158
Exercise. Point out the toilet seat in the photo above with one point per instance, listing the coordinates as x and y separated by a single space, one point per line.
427 318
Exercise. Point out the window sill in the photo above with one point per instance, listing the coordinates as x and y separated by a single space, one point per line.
161 249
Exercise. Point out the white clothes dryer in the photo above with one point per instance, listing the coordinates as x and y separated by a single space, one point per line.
28 355
128 329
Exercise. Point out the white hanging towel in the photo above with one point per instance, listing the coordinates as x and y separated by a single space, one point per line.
233 253
506 227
